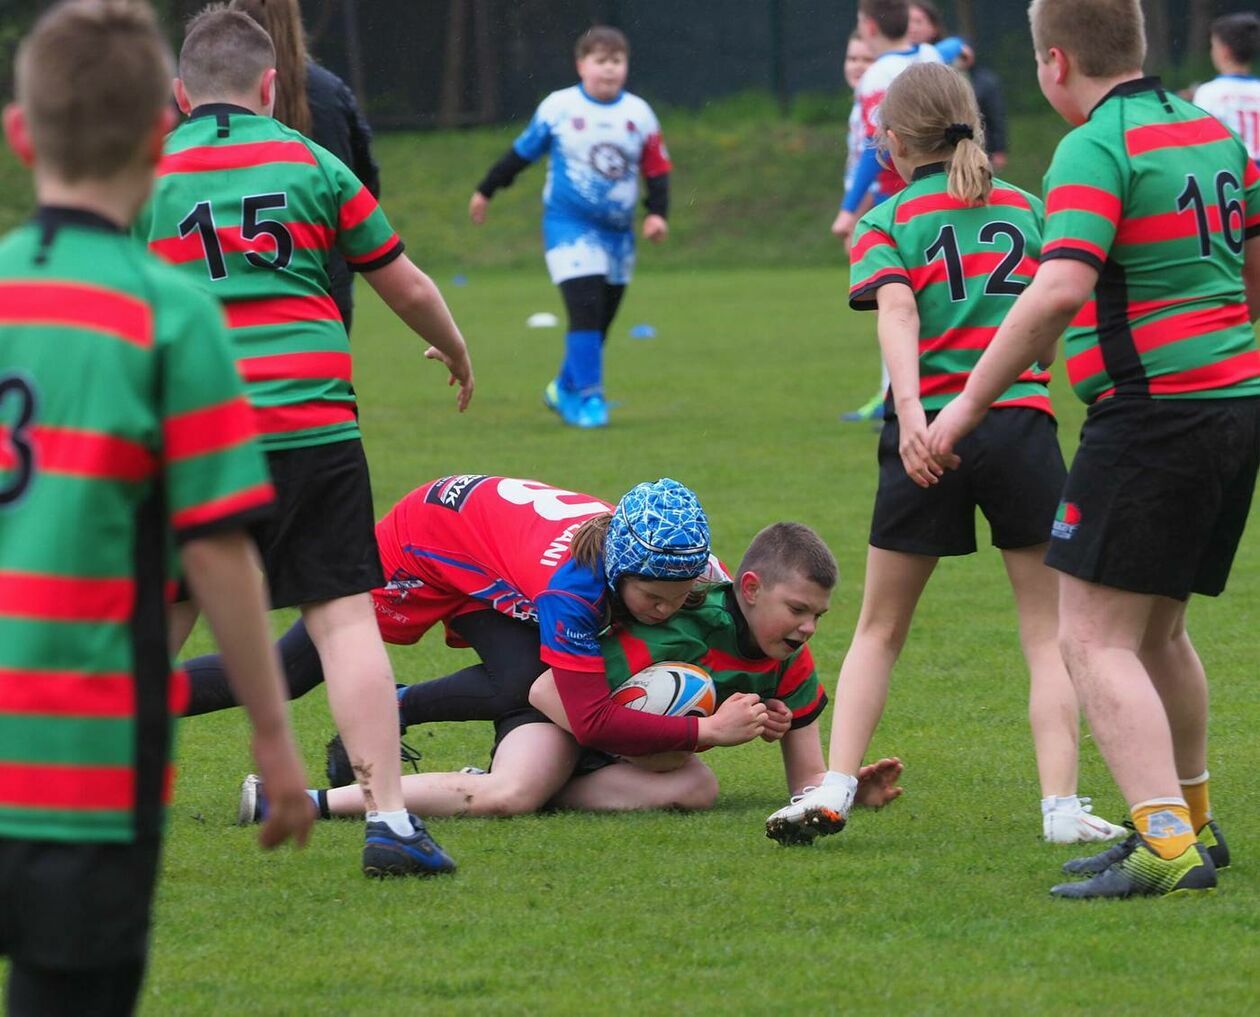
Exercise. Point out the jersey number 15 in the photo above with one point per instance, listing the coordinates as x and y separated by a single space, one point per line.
201 220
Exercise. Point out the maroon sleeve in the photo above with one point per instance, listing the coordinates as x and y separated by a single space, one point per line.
599 723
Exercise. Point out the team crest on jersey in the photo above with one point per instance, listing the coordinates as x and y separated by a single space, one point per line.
609 161
630 126
579 123
452 492
1066 521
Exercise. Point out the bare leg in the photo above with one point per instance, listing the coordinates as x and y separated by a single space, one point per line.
894 583
1177 674
532 763
1053 710
180 619
360 693
1101 632
623 786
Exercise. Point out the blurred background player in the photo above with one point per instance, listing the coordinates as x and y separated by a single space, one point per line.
884 26
926 260
1234 97
1152 265
599 138
109 361
928 25
249 207
315 102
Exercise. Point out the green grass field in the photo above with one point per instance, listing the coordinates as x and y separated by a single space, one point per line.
937 904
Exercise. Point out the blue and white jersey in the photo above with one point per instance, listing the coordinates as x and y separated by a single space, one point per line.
597 151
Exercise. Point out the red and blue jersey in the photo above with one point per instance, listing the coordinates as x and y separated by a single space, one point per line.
471 541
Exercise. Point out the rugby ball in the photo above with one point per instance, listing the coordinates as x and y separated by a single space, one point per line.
670 689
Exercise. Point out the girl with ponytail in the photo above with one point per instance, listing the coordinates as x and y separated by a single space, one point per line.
942 262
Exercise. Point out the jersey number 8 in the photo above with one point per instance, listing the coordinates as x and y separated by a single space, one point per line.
201 220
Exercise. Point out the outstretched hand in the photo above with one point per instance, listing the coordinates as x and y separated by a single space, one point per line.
877 783
461 374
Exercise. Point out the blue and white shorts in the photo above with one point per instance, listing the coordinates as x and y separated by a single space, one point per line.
574 249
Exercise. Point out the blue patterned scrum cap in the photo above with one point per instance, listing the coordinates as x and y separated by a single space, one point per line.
657 531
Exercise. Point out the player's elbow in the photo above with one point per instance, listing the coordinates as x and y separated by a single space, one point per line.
1061 287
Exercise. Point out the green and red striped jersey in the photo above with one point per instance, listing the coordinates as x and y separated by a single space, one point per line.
122 421
1160 198
252 209
715 635
966 265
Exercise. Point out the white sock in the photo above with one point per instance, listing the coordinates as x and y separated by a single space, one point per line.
1060 803
398 821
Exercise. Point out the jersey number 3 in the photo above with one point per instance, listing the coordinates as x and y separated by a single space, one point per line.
201 220
19 464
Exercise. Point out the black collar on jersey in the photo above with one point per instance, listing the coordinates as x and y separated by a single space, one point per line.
214 109
744 641
927 170
1133 87
51 218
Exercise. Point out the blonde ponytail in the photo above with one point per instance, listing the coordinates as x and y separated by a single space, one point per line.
932 110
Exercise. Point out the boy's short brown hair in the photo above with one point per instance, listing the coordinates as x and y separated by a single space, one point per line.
891 17
1107 37
603 37
92 79
225 52
784 550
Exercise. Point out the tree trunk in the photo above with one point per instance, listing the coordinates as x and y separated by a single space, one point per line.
965 11
453 65
1201 14
487 69
1158 35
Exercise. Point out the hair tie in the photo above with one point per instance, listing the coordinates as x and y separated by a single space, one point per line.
954 133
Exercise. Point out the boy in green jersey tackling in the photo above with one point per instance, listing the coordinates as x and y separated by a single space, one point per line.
1151 263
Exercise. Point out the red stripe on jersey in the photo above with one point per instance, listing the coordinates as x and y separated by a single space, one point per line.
356 210
1037 402
1073 244
571 661
209 429
74 305
1224 373
82 453
973 265
66 693
1152 137
638 656
796 675
810 707
179 250
1000 196
717 660
975 338
1083 198
942 384
52 786
301 416
1087 316
385 248
212 158
1251 175
871 238
285 366
221 508
1151 229
179 692
61 598
1187 325
655 161
280 311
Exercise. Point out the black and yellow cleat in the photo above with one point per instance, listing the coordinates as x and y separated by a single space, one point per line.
1210 837
1091 865
1143 873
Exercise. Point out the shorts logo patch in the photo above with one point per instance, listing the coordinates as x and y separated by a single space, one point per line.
452 492
1066 521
